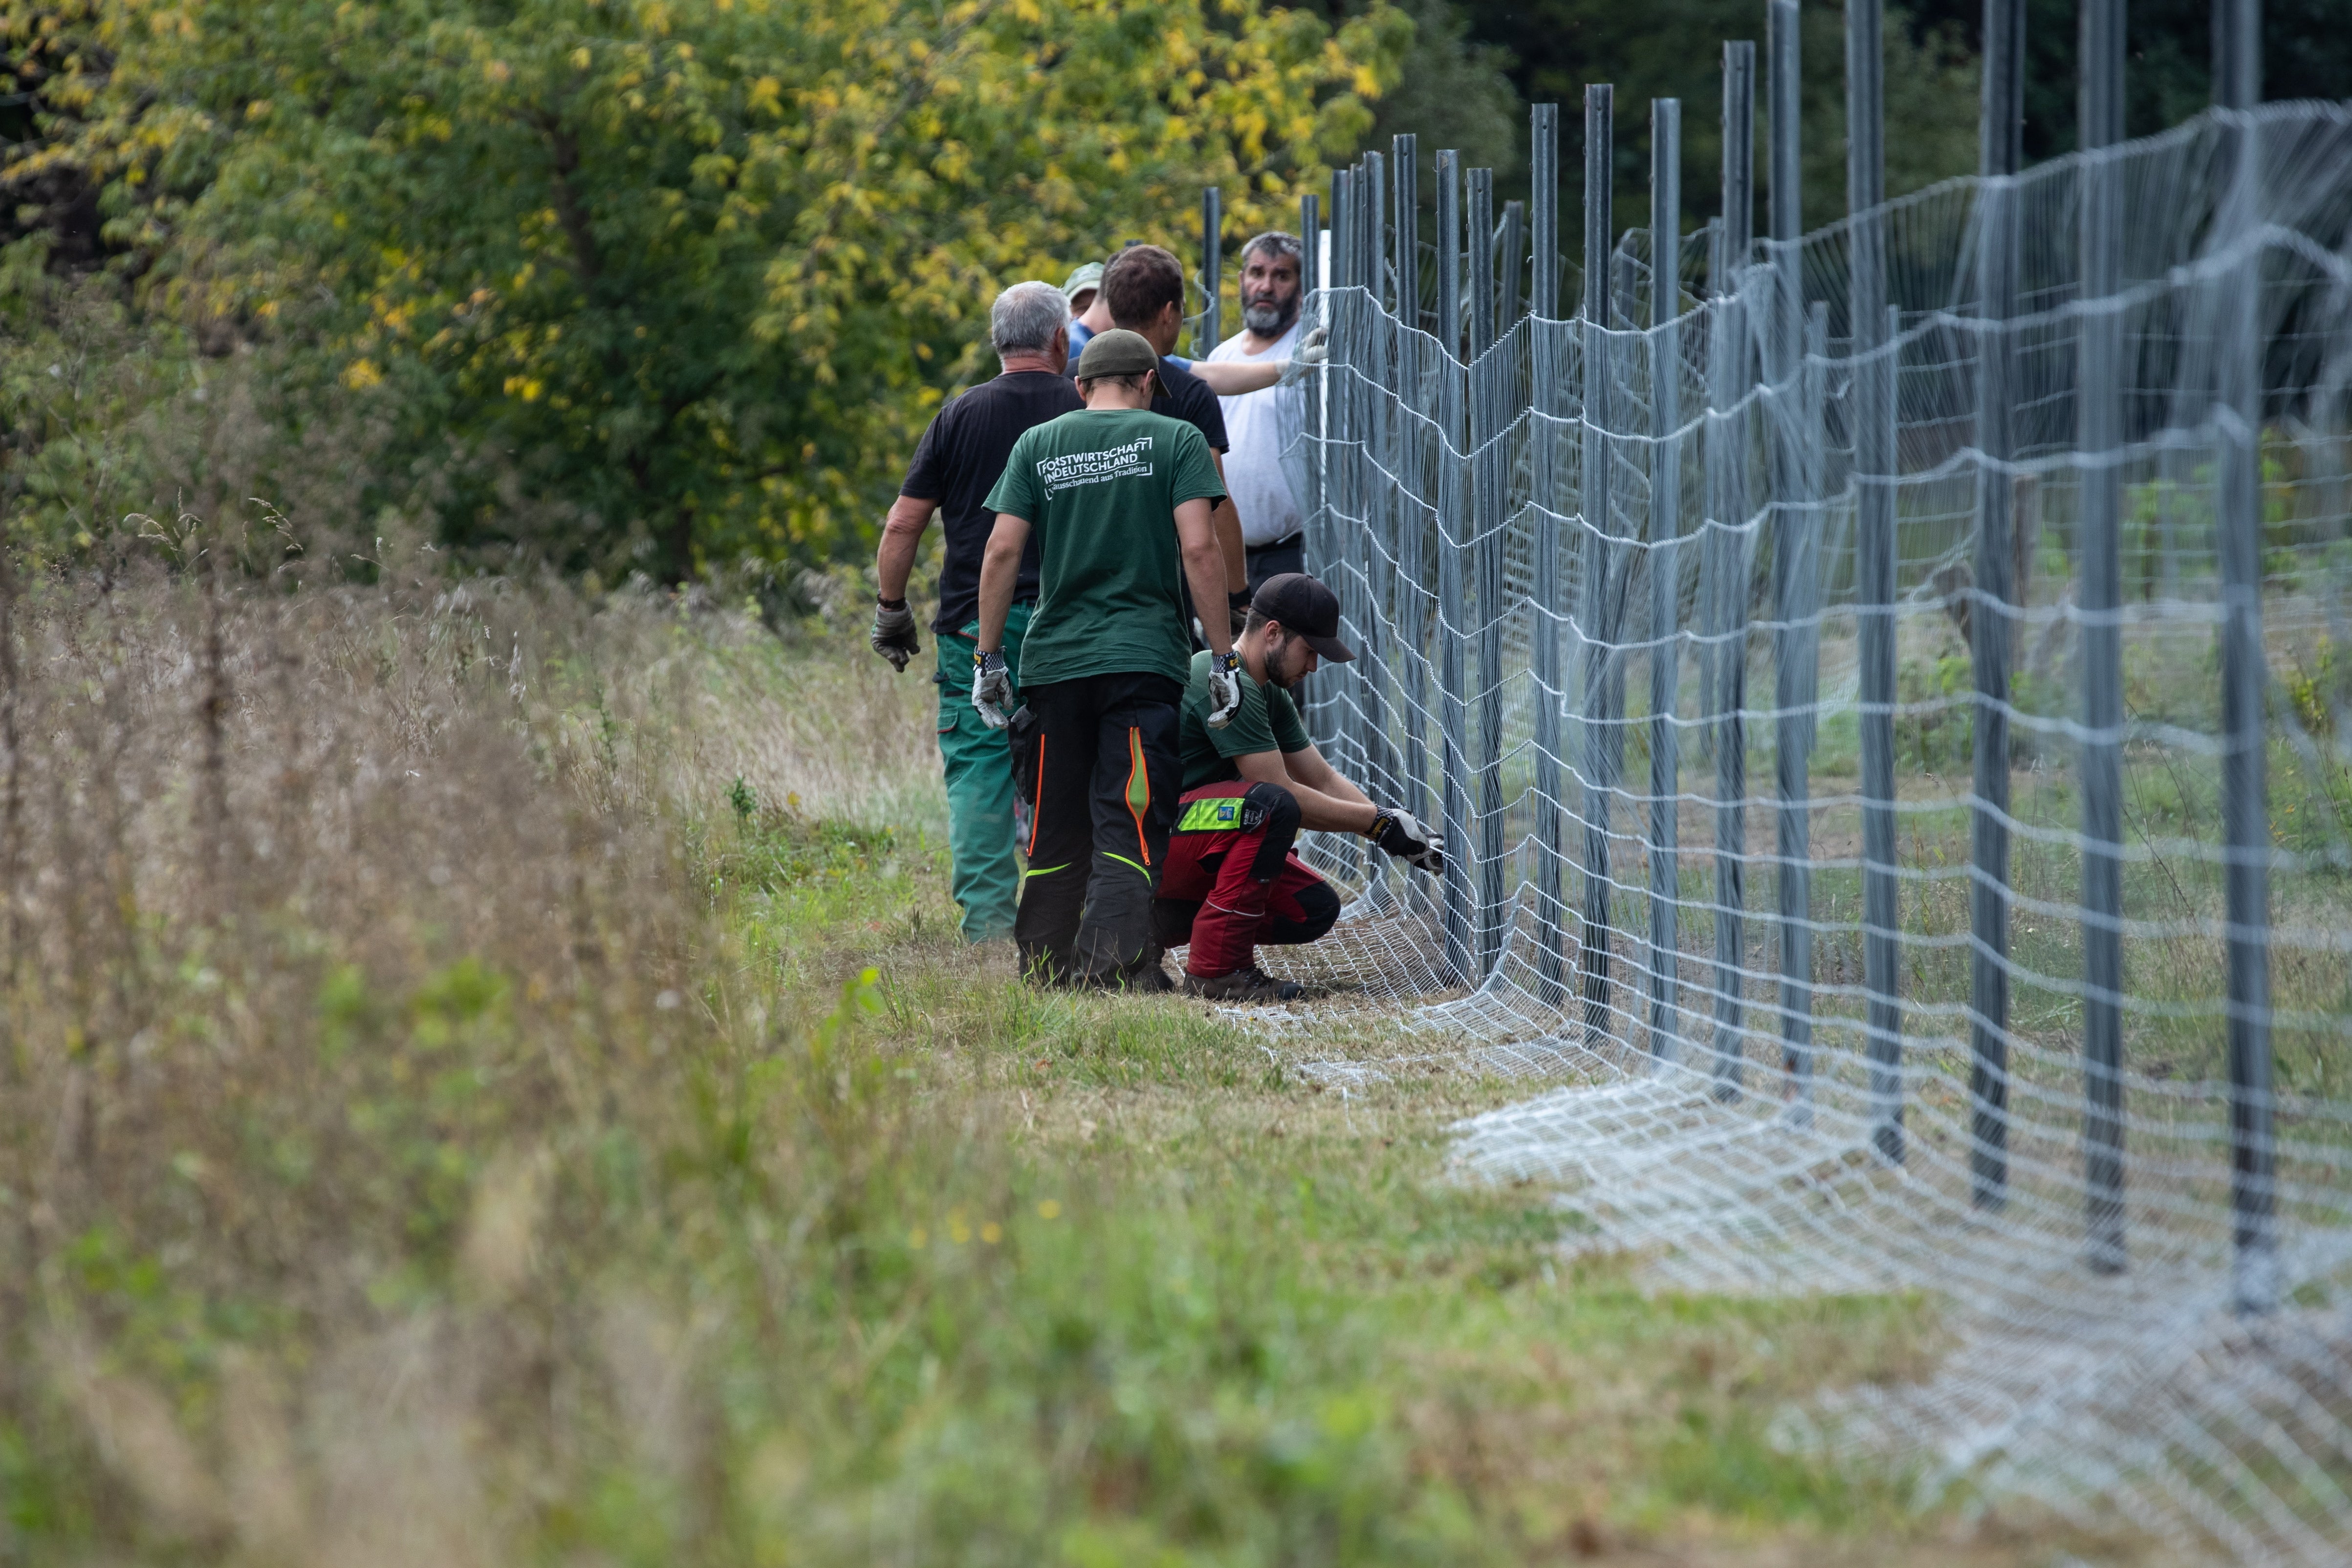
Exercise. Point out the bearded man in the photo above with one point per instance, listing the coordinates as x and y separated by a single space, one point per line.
1271 525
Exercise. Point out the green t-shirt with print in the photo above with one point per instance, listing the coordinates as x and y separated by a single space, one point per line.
1268 720
1100 489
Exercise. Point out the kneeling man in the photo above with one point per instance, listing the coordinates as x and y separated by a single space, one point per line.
1250 788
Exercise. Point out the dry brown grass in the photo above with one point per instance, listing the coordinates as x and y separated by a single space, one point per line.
444 1122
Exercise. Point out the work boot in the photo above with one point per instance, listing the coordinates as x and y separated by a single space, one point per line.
1144 977
1250 985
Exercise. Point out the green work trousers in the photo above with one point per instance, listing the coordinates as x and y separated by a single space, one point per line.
986 881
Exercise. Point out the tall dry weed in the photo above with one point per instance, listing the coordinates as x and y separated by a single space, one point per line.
364 1008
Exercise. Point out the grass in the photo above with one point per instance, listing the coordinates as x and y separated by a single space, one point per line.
491 1079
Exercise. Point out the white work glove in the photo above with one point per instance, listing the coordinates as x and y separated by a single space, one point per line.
991 689
1224 688
1401 835
1313 349
893 636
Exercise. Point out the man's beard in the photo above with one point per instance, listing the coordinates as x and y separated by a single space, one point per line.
1278 664
1269 321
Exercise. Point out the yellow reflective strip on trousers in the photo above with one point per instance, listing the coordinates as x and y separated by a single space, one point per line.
1219 813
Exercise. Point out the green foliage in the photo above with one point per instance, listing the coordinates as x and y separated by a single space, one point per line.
655 284
1672 48
1937 737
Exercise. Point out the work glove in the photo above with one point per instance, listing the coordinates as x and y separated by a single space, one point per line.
991 689
1401 835
1312 350
893 633
1224 688
1237 604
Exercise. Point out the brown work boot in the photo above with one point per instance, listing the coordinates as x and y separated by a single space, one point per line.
1250 985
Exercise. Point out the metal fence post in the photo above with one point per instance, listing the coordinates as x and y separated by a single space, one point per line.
1311 302
1989 613
1413 532
1453 720
1794 561
1604 741
1729 359
2245 798
1488 476
1377 425
2098 414
1665 557
1511 262
1875 390
1205 335
1545 342
1328 713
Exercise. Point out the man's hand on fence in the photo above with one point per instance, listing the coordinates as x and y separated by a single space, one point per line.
1401 835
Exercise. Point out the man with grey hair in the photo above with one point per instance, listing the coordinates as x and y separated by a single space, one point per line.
1272 535
960 459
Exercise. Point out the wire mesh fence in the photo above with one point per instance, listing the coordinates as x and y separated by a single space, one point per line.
1888 696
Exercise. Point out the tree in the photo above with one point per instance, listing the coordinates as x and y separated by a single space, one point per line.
2307 53
1672 48
654 283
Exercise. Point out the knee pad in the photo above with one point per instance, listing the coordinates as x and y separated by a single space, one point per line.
1318 911
1280 816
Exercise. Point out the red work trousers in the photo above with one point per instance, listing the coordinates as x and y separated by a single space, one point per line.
1231 881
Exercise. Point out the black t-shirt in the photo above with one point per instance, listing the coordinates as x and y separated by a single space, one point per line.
958 461
1180 395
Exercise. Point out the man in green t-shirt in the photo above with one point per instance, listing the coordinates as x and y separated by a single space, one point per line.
1250 786
1118 498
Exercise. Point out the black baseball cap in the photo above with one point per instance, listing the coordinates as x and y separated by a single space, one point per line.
1305 606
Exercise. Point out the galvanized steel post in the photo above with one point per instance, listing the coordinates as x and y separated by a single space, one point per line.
1414 531
1730 540
1546 341
1488 475
1453 720
1665 559
2099 427
1875 390
1604 741
1795 562
1212 228
1990 608
2246 796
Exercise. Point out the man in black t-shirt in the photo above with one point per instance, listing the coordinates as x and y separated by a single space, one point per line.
961 458
1143 287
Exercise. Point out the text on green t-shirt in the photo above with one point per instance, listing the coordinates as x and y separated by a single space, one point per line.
1268 720
1099 489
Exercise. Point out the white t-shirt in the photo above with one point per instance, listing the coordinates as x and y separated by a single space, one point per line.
1254 462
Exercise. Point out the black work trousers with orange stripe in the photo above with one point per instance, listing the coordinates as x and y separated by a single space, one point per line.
1098 759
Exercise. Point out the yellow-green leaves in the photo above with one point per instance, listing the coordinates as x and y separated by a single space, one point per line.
650 282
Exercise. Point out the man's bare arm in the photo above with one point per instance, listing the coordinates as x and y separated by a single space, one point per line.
1317 810
902 532
1308 768
1228 519
1233 377
1204 570
1000 573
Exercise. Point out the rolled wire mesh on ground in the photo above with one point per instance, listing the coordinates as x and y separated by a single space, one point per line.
2062 492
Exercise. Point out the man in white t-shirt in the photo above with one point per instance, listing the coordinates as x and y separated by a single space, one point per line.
1269 512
